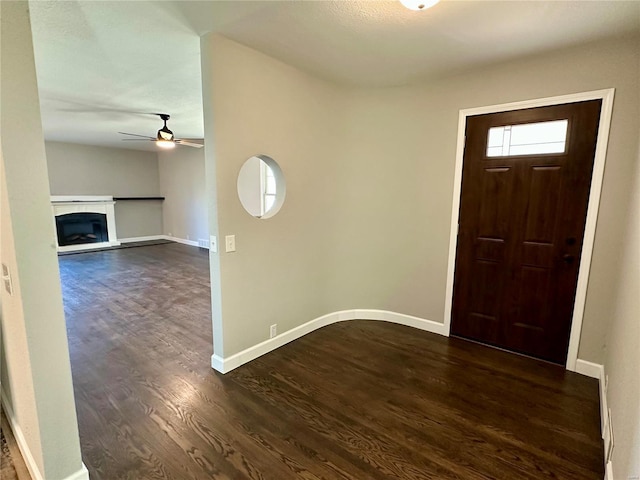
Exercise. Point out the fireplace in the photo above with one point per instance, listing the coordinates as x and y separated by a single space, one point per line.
84 222
80 228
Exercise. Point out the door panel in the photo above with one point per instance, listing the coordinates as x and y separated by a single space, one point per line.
544 191
496 183
520 235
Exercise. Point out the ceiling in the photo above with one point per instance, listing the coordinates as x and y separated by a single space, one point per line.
104 66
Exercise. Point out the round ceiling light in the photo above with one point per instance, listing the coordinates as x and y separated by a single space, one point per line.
419 4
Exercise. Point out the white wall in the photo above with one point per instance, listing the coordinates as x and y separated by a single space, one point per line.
88 170
35 369
622 362
255 105
18 388
182 183
404 141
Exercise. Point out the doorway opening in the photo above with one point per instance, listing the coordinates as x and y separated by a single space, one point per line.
508 272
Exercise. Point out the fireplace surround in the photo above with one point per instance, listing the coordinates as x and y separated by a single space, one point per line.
84 222
80 227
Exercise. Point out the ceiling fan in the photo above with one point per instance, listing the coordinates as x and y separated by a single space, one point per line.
164 138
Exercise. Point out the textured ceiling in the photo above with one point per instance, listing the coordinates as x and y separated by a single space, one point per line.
103 66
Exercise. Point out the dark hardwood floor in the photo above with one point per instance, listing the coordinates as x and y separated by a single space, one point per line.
355 400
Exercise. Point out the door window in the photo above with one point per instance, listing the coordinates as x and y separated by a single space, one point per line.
527 139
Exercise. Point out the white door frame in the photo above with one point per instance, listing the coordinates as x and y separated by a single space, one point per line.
592 209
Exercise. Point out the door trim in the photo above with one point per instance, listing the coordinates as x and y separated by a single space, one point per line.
606 96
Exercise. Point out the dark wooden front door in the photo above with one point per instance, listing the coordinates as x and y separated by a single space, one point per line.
522 220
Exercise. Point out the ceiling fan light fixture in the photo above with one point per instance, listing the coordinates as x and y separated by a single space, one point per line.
164 138
419 4
165 134
166 144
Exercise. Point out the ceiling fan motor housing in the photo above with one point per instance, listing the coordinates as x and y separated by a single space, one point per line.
164 133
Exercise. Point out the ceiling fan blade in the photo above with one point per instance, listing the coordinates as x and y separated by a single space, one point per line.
189 144
136 135
138 139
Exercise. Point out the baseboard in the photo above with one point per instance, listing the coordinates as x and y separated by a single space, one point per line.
82 474
595 370
32 466
87 247
604 405
589 369
193 243
148 238
609 471
225 365
29 461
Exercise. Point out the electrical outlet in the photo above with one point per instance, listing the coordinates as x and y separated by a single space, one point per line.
213 244
273 330
230 243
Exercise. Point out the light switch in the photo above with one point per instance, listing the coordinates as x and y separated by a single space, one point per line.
230 243
213 244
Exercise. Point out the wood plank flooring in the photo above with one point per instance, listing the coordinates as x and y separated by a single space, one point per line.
355 400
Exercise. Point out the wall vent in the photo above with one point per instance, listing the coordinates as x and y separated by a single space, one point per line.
203 243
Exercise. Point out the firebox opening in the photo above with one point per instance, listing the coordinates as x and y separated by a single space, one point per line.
79 228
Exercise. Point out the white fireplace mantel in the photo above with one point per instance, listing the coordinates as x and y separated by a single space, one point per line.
64 204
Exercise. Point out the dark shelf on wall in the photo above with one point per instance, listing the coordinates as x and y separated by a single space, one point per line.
138 198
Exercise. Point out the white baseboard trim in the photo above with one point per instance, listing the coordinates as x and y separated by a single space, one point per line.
596 370
87 246
82 474
148 238
604 405
589 369
29 461
609 471
32 466
193 243
225 365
